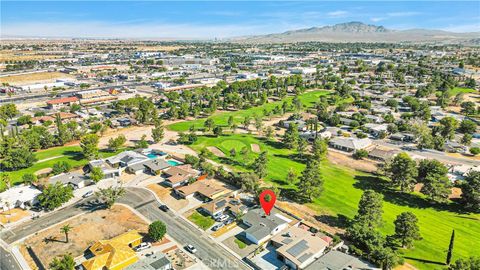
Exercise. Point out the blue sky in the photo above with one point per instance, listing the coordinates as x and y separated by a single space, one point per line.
221 19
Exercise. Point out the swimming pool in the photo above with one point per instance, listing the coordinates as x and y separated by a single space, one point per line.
154 155
173 162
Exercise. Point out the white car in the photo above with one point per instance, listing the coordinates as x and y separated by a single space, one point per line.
143 246
222 218
88 194
191 249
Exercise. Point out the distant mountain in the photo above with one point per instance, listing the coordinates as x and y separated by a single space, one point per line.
361 32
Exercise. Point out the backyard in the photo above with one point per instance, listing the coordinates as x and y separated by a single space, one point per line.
342 190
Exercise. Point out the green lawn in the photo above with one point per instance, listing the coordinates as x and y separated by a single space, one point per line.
240 243
342 190
70 154
201 221
221 118
454 91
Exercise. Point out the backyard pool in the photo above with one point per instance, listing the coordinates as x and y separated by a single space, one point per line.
154 155
173 162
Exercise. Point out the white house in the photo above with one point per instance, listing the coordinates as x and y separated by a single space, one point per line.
19 196
263 227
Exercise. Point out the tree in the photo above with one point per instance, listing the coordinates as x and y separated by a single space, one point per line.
474 150
53 196
8 111
244 152
450 248
448 127
402 171
319 149
29 178
360 154
61 167
115 143
385 257
156 230
406 229
217 131
250 182
290 138
65 262
467 126
158 131
96 174
230 122
370 209
291 176
471 191
260 165
89 145
466 139
66 229
468 108
466 264
142 143
433 174
301 147
269 132
110 195
208 124
310 183
17 158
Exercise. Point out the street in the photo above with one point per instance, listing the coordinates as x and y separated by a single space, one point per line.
7 262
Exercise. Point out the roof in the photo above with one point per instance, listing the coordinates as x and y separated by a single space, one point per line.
383 153
298 245
127 157
200 187
19 194
68 178
336 260
154 262
352 143
262 225
62 100
114 252
156 164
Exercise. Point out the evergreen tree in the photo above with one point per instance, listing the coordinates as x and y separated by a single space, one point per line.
310 183
290 138
402 171
260 165
406 229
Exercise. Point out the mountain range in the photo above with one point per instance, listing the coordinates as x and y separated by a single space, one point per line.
361 32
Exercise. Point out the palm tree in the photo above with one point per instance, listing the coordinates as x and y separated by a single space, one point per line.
66 229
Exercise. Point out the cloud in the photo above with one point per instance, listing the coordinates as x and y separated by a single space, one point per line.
475 27
337 14
403 14
377 19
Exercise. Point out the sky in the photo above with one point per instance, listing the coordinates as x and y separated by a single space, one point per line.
223 19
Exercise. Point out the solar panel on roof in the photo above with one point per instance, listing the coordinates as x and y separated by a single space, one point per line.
305 257
298 248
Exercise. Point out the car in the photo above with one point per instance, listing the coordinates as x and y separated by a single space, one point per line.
88 194
217 227
164 208
191 249
222 218
143 246
228 221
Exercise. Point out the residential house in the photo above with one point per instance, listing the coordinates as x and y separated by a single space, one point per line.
455 147
301 125
62 102
107 169
73 179
178 175
200 188
156 166
157 261
404 137
350 144
114 254
125 159
232 204
311 135
297 247
383 153
339 261
376 129
262 227
19 196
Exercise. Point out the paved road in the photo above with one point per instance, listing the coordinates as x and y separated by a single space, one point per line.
46 220
7 262
211 253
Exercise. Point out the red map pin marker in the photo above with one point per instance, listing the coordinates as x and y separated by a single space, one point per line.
267 205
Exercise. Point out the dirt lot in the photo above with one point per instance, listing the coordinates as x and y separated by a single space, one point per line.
23 56
34 77
255 148
342 159
180 260
13 215
86 229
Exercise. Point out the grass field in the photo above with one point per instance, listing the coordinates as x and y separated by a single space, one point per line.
46 159
221 118
201 221
240 243
342 190
456 90
34 77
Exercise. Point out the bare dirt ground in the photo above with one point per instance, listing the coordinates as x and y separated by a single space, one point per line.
12 215
308 215
180 260
255 148
86 230
217 152
342 159
165 196
41 77
7 55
